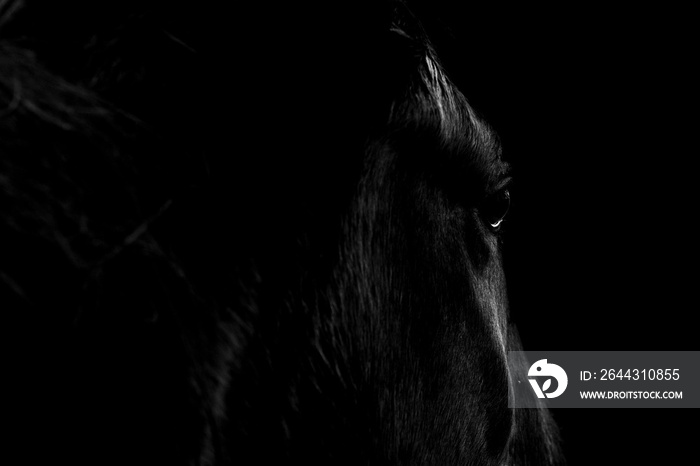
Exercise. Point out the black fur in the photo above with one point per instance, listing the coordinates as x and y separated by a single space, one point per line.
251 239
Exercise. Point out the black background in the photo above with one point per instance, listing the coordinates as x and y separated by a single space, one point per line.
597 110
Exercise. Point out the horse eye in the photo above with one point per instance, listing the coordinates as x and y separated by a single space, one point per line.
495 208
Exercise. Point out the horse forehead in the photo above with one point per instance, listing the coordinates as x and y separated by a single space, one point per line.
458 121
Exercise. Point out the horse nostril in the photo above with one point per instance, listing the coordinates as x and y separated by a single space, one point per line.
496 207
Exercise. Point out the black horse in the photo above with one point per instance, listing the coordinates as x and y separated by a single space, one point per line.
252 238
